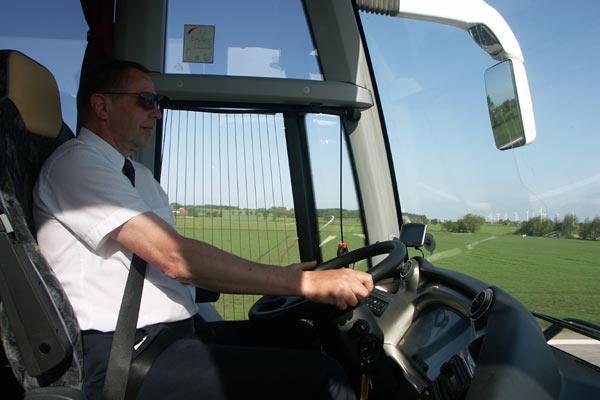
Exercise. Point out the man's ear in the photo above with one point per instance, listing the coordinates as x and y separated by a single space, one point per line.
99 105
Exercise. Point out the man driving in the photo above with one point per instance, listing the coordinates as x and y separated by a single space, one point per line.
92 213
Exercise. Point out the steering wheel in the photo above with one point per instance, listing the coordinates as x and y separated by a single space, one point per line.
285 308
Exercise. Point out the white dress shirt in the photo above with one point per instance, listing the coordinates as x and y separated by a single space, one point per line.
80 197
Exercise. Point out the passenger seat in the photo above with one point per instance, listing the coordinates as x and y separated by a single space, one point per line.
40 335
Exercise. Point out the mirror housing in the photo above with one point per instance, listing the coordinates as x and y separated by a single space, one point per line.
509 104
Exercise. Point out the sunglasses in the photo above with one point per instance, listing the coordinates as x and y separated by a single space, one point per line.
147 100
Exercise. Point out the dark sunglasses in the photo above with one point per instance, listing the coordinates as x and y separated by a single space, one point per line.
147 100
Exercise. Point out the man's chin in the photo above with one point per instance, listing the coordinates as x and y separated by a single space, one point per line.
141 143
147 135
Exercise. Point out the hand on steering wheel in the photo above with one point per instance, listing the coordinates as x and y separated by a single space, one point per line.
270 308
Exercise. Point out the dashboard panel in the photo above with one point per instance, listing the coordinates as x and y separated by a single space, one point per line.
434 338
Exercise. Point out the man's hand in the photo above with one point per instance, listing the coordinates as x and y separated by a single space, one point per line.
340 287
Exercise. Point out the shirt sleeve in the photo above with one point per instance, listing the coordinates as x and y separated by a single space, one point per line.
88 195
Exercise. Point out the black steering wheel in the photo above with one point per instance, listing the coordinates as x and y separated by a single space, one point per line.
284 308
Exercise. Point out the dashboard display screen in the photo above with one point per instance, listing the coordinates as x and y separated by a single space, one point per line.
434 337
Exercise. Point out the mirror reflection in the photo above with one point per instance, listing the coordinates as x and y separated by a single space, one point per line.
503 105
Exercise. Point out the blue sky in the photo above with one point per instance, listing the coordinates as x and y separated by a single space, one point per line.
437 77
443 79
561 43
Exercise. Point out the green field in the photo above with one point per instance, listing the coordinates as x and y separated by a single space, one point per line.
550 275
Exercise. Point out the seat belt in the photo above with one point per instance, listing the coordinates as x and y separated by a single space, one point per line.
144 361
122 381
119 362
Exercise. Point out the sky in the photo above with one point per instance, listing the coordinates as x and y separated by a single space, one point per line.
561 43
431 86
433 92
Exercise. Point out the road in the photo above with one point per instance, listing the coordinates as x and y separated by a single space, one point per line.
578 345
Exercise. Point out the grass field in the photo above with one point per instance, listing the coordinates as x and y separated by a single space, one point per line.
550 275
555 276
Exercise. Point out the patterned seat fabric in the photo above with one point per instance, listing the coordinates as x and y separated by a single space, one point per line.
31 127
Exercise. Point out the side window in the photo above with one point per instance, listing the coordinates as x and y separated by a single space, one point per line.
54 35
340 219
228 178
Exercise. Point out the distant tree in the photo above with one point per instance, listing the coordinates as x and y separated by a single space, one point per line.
417 218
470 223
450 226
537 226
590 230
568 226
278 212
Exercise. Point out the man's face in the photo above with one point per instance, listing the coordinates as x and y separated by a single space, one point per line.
131 124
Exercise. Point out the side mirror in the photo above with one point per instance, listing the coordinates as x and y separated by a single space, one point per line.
509 104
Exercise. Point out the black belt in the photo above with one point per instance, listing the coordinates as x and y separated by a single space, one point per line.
142 363
159 337
184 327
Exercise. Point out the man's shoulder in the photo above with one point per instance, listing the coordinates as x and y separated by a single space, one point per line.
72 153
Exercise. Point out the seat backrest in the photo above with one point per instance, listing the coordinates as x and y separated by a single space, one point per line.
40 334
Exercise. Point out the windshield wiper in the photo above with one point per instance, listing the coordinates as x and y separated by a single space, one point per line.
576 325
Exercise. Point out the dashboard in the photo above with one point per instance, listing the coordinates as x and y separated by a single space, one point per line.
432 333
434 338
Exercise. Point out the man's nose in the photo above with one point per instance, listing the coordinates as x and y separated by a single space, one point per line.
156 113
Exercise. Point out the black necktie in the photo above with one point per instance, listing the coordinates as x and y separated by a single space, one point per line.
129 171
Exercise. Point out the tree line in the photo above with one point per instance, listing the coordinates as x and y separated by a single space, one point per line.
213 210
568 227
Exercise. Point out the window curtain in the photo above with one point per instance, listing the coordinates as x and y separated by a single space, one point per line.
99 15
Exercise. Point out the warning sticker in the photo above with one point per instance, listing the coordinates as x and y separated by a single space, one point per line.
199 43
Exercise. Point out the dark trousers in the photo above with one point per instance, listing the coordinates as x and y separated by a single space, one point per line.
229 360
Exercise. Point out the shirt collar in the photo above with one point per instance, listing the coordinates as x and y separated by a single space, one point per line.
103 147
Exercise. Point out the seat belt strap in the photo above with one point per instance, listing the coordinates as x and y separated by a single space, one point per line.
119 362
143 362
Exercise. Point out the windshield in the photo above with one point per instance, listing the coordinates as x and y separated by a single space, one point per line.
527 219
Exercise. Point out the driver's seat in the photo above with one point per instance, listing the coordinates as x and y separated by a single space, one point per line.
40 335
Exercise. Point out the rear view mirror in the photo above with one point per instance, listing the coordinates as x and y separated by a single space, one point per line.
509 104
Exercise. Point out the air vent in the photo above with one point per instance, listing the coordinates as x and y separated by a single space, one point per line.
481 303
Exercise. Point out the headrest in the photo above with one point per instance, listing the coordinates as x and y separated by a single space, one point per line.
33 90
